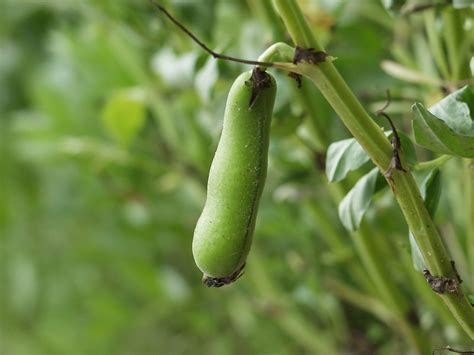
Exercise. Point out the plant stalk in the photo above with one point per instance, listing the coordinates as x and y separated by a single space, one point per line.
469 193
458 54
370 136
286 314
435 43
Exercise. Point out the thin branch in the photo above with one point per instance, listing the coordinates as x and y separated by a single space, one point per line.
387 103
381 112
414 8
395 162
202 45
448 348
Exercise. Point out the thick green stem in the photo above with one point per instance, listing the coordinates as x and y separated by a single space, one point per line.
277 52
370 136
282 52
333 87
386 288
423 290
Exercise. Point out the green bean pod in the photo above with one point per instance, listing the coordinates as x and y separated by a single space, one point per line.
224 231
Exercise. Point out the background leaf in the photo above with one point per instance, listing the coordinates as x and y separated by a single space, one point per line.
343 157
124 115
429 182
462 4
354 205
98 217
393 6
206 77
408 148
347 155
434 134
455 110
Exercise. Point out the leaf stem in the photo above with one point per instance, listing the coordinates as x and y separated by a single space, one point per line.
370 136
435 163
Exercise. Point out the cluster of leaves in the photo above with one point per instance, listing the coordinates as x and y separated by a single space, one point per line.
446 128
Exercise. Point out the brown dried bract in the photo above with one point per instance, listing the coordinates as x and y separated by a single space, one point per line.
320 161
296 77
441 284
222 281
259 80
395 162
309 55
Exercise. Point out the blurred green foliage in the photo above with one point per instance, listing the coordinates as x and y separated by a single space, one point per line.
109 120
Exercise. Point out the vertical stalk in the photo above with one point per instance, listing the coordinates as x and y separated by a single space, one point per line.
326 77
372 259
458 54
469 194
336 240
288 318
391 295
435 43
425 293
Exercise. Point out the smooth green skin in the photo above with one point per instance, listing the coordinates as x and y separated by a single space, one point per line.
224 231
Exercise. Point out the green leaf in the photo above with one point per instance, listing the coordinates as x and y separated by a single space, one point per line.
416 256
343 157
123 115
393 5
205 79
434 134
455 111
408 148
461 4
471 298
429 182
354 205
176 70
347 155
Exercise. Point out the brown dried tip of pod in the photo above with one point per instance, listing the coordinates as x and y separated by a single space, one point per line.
222 281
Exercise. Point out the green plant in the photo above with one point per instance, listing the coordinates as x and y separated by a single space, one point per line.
326 77
224 232
109 121
310 60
